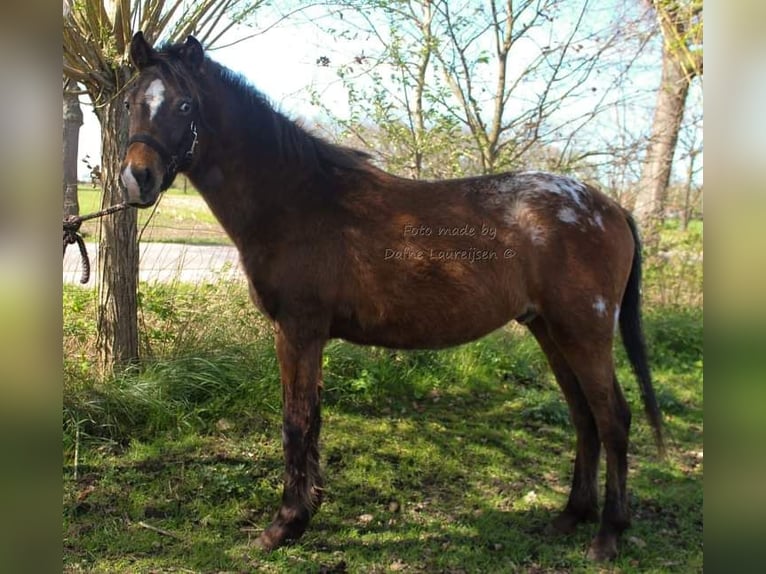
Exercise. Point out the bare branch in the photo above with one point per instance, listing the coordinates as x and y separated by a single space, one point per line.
265 29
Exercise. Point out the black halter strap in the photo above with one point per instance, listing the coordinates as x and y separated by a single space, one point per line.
153 143
173 163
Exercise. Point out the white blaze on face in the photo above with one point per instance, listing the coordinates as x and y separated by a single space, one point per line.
134 190
154 96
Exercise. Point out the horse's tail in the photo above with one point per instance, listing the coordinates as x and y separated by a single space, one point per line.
633 339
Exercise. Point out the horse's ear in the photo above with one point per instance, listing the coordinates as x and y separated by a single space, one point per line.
193 53
141 53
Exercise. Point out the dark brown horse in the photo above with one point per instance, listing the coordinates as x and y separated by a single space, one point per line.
334 247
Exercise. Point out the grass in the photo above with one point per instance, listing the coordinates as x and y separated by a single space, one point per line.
673 273
179 217
450 461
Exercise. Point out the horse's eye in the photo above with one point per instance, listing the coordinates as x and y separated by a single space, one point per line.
185 107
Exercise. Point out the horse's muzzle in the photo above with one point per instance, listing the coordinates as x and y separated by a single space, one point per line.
141 186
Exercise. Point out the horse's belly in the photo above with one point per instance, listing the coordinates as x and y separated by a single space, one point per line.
424 325
396 339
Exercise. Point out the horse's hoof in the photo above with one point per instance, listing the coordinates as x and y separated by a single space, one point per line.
566 522
266 542
282 531
272 538
603 549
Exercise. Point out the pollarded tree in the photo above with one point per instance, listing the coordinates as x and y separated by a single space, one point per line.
96 39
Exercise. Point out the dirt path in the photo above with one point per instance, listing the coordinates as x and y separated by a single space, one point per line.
166 262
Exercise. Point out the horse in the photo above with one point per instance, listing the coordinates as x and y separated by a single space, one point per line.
334 247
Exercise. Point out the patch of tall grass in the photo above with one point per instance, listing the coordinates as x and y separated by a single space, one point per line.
206 352
174 396
673 271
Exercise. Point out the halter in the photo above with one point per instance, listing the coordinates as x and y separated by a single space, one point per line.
173 162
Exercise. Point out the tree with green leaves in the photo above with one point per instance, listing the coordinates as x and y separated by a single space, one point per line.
487 81
96 38
681 25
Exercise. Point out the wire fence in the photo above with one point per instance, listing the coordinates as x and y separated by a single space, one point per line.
166 263
179 241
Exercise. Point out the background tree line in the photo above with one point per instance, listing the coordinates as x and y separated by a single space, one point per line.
445 89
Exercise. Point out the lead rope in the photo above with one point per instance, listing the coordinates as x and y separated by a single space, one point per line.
72 234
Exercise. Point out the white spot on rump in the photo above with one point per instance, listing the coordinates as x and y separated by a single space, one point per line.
561 185
567 215
600 305
598 221
616 317
154 96
526 217
572 188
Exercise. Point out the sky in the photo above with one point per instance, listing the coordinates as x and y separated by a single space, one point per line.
282 63
274 63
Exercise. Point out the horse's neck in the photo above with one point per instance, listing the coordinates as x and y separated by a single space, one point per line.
242 188
242 176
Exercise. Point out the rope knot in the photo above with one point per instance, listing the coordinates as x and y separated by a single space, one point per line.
72 224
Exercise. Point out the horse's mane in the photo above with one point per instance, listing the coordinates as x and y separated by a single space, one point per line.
287 137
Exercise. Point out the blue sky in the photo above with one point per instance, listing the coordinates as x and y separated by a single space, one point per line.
275 63
282 63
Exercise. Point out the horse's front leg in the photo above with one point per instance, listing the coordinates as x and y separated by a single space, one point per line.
300 365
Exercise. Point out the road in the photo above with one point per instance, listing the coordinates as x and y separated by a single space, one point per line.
165 263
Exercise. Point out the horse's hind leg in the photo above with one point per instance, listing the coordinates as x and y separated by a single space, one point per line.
300 361
583 496
589 355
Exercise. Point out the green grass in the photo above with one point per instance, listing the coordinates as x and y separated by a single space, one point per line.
450 461
179 217
673 270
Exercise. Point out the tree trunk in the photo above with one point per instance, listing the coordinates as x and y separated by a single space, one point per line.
687 211
72 123
668 115
118 252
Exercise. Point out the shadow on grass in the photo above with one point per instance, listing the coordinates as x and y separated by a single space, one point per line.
431 465
465 483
